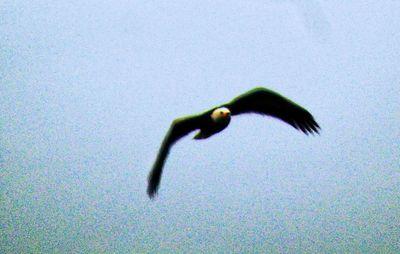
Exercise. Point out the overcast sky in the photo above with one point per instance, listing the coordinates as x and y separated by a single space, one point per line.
89 88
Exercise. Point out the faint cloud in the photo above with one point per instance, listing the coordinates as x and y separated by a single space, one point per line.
314 18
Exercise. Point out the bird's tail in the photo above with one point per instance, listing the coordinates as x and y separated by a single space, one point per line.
201 135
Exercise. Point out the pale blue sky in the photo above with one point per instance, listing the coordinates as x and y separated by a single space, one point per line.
89 88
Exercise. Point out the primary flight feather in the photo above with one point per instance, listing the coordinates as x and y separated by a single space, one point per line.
258 100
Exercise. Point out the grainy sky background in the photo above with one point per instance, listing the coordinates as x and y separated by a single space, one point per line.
89 88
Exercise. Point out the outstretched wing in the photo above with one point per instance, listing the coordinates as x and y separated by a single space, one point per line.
264 101
179 128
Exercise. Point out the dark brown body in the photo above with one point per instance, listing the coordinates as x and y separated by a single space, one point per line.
211 127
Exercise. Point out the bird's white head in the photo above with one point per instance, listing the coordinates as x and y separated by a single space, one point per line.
221 115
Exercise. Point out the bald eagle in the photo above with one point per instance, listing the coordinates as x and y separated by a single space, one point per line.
258 100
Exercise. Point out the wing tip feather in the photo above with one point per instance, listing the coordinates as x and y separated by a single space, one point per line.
152 194
152 190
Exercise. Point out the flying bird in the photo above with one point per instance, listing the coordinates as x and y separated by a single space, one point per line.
258 100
